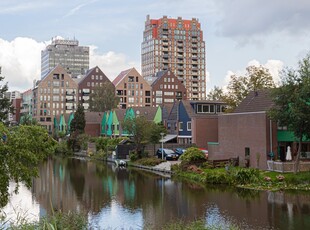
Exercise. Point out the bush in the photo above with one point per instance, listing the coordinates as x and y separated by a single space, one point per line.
63 149
133 156
101 154
246 176
193 154
150 161
82 141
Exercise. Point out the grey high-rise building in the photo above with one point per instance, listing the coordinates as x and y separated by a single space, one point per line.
177 45
72 57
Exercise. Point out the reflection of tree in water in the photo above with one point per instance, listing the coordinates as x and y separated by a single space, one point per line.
77 170
248 194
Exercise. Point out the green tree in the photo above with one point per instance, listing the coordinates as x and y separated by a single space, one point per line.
78 123
103 98
292 103
256 78
216 94
21 149
5 103
155 133
139 129
77 127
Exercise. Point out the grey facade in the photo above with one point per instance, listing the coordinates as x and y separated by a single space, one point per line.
72 57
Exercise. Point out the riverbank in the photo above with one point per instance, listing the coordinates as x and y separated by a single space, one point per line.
247 178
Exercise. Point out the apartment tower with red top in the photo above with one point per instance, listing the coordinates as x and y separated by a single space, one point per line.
176 45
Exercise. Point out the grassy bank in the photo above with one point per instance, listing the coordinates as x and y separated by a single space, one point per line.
56 221
247 178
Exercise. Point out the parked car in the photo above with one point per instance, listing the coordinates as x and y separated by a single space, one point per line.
179 151
169 154
205 151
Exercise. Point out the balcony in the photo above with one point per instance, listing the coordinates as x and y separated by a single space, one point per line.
70 92
119 92
70 100
70 107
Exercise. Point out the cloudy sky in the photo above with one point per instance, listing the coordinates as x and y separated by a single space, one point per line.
237 33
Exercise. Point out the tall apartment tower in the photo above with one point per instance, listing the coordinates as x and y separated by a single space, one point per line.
177 45
72 57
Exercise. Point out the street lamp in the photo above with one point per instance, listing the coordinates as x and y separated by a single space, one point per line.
162 145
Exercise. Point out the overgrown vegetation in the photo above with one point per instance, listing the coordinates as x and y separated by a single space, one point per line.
149 161
57 221
196 225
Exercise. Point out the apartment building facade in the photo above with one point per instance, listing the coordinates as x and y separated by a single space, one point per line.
54 95
68 53
166 89
178 45
86 84
132 89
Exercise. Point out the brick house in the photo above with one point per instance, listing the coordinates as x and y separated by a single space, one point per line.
167 88
54 95
247 133
132 89
86 84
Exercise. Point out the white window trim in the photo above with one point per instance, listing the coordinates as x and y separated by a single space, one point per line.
189 129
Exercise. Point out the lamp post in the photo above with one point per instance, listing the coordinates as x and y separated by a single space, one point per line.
162 145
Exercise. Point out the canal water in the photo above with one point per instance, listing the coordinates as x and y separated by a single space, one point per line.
120 198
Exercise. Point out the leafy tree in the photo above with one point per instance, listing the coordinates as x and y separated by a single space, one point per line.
292 102
256 78
78 123
216 94
28 120
140 129
103 98
21 149
77 127
155 131
5 104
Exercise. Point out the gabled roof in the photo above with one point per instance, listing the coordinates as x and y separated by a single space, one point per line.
89 72
158 76
121 76
93 117
173 115
120 113
257 101
147 112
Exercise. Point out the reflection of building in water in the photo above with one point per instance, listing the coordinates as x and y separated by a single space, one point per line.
51 189
72 184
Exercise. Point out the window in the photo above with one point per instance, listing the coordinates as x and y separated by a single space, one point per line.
159 93
247 152
205 108
180 126
189 126
159 100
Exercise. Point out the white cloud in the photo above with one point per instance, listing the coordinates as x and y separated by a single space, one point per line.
111 63
21 62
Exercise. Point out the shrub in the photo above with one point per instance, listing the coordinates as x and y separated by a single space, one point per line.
150 161
82 141
194 155
133 156
246 176
218 177
63 149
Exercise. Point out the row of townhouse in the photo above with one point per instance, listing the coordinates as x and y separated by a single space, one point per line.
58 93
186 121
246 133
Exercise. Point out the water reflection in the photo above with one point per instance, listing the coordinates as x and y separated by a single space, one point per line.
128 198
